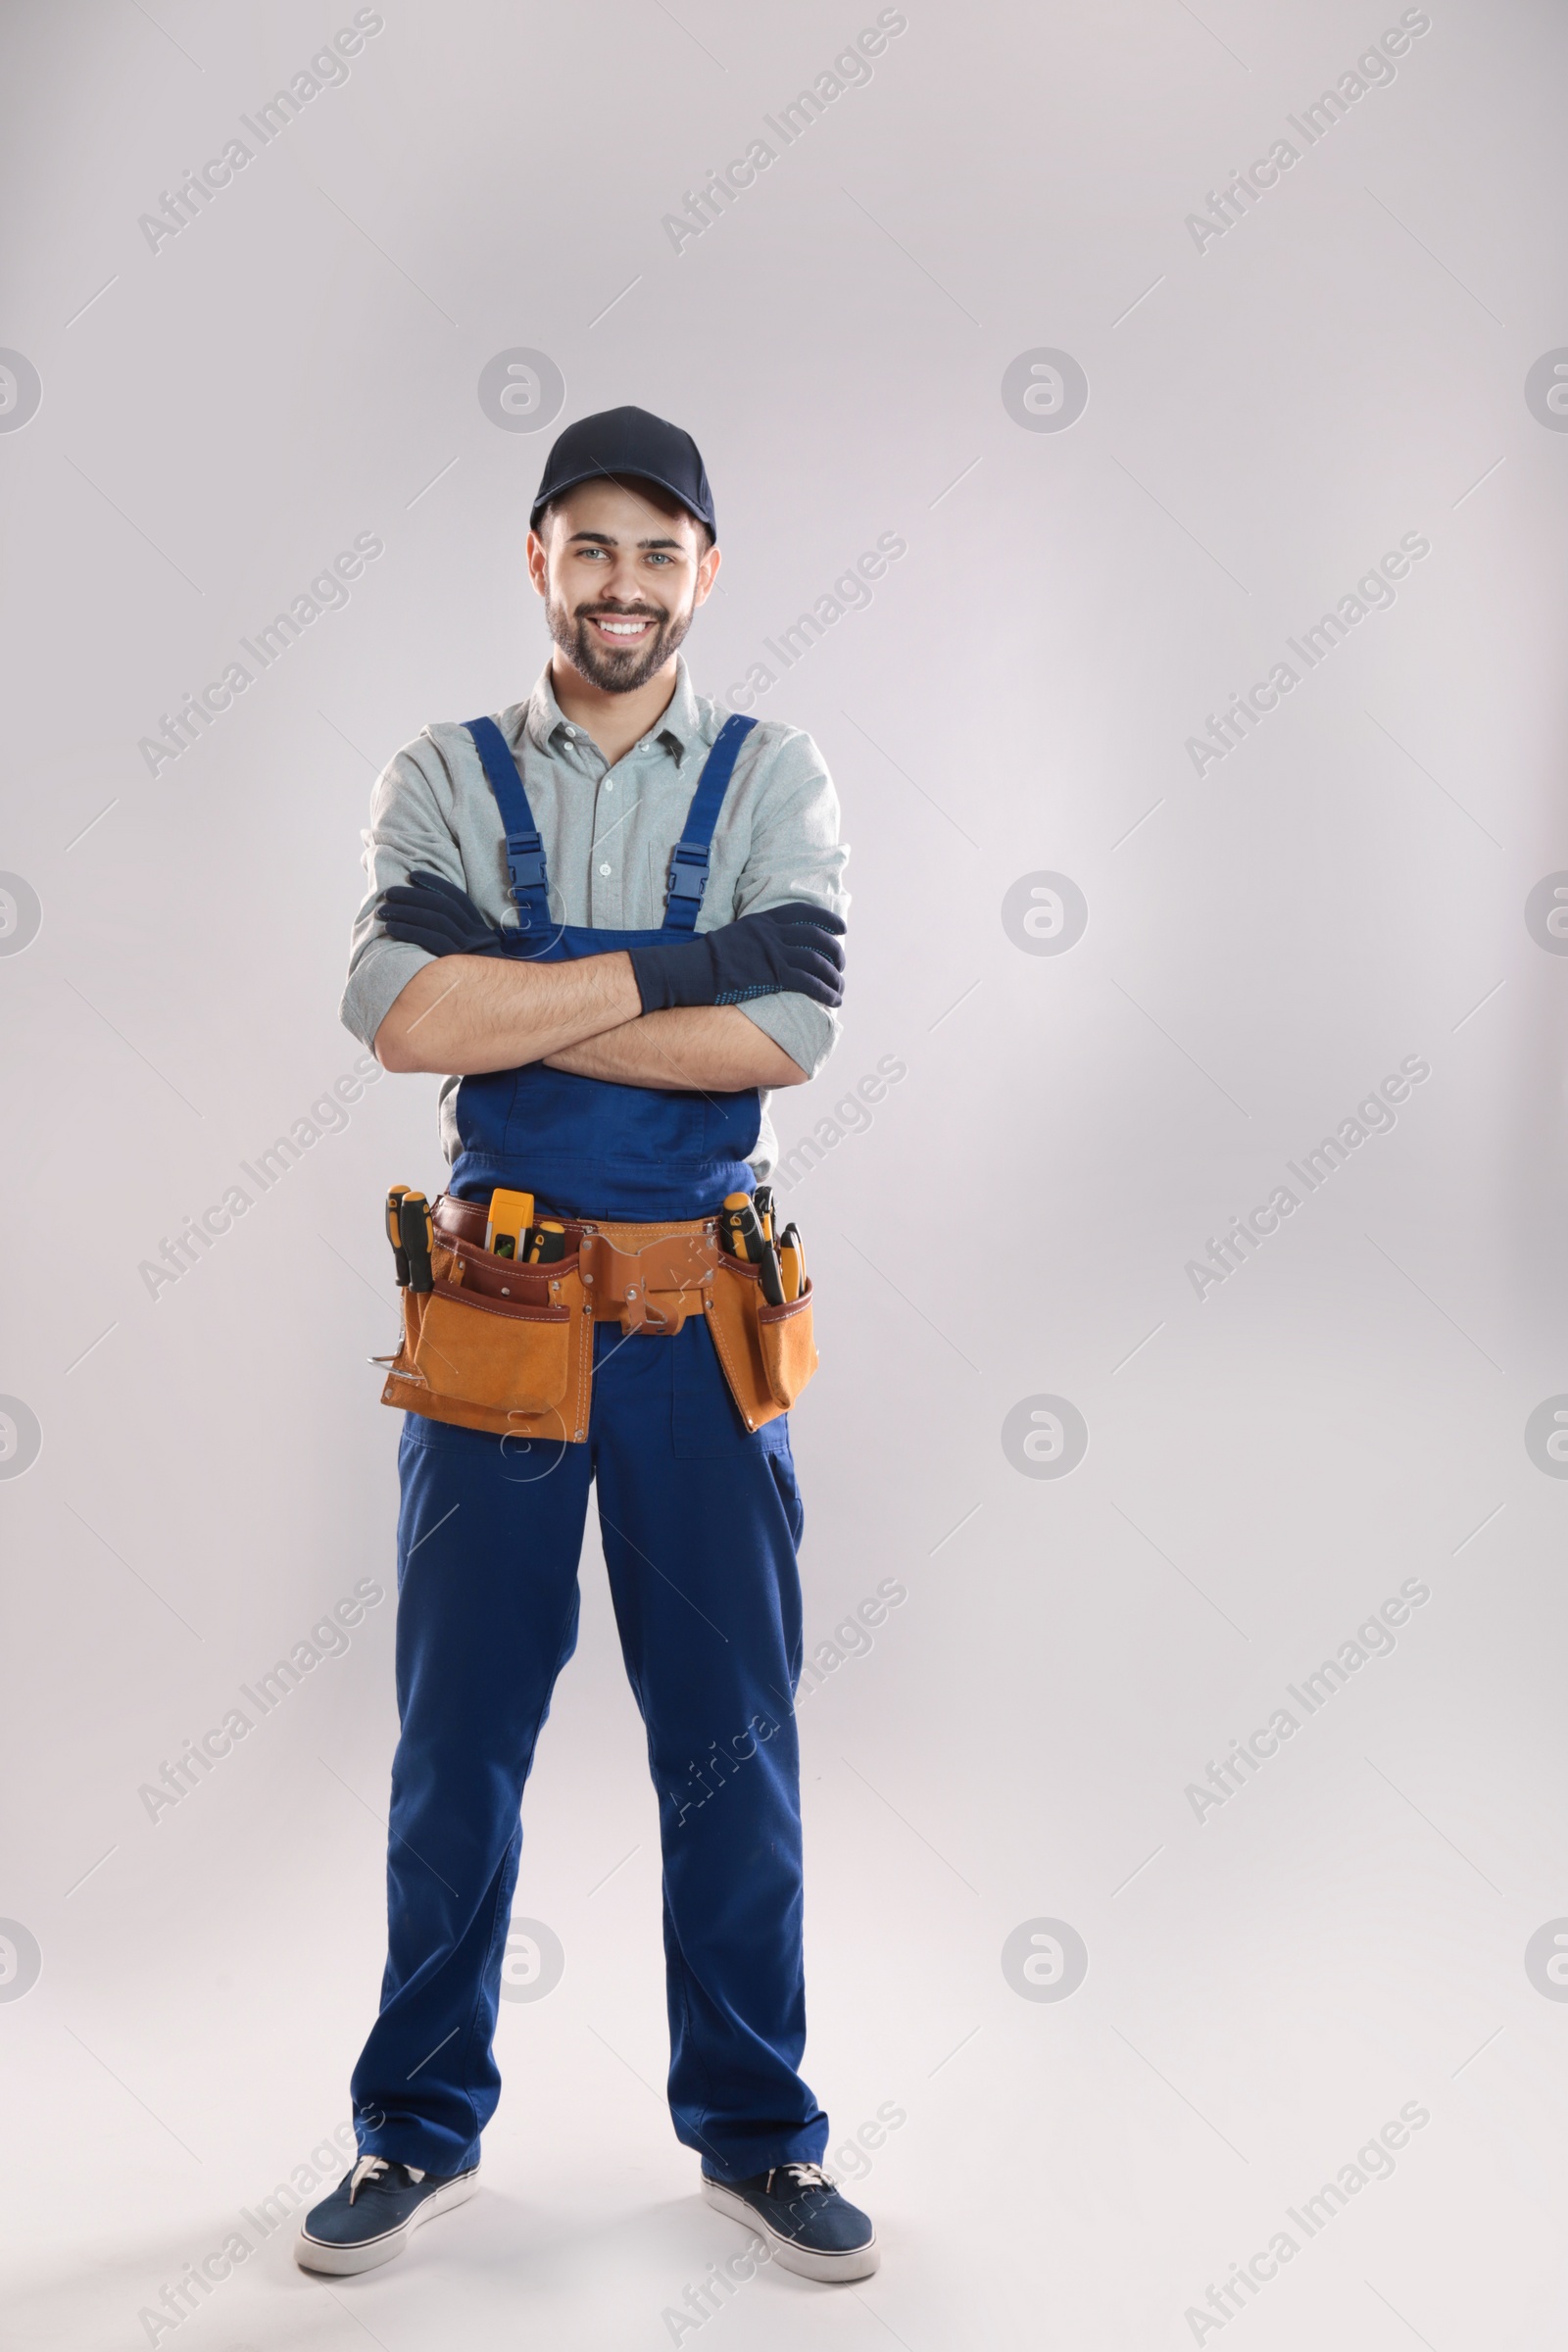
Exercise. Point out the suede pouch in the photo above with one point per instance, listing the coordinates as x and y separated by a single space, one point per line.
493 1351
767 1351
788 1350
489 1349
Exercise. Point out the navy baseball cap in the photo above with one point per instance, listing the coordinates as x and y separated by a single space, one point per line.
623 442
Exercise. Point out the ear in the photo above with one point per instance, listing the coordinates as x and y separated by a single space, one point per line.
538 557
706 574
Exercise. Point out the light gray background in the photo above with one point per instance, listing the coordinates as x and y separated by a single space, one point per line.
1265 1987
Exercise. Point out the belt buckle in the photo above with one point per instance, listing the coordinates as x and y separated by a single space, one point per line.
644 1312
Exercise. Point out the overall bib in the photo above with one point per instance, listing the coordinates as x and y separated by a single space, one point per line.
699 1521
619 1153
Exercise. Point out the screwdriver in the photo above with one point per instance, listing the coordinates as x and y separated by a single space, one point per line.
770 1277
419 1239
394 1234
545 1243
791 1261
762 1202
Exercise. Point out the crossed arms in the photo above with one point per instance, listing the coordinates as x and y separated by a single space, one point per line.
464 1014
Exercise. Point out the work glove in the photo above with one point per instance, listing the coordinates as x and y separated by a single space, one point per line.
794 948
436 915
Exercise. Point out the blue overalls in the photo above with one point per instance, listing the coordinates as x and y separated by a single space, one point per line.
699 1521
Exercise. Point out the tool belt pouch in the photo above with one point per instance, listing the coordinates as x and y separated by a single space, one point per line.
767 1352
494 1348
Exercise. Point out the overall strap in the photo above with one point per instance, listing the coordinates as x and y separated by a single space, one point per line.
687 865
525 849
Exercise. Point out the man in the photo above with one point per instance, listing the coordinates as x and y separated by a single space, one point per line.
608 1055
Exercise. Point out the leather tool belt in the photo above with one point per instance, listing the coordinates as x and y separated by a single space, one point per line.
509 1348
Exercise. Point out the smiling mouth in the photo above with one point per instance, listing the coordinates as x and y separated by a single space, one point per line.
621 629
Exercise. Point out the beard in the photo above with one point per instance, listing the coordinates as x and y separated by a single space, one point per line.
611 671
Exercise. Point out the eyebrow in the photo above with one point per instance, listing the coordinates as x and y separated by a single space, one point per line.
606 539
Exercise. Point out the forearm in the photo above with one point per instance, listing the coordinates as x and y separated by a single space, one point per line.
464 1014
709 1049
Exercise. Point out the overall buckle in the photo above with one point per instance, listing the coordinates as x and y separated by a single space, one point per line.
688 870
525 861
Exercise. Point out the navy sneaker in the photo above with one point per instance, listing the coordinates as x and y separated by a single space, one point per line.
807 2225
372 2213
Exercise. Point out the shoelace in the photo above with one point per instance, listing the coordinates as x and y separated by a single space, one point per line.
371 2168
799 2175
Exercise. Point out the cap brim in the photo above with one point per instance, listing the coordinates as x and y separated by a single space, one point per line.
616 473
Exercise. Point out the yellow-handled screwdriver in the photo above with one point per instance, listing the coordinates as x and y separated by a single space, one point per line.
394 1234
791 1261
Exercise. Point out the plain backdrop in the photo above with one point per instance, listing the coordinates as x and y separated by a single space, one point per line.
194 1471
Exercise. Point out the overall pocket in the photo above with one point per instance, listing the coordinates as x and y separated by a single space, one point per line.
496 1352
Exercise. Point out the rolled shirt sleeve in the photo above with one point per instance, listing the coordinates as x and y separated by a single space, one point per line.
410 825
795 853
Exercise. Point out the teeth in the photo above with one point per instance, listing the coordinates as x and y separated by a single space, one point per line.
624 628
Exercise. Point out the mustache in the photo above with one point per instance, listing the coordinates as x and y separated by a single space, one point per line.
621 613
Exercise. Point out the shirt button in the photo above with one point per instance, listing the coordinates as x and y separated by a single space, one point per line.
604 870
610 783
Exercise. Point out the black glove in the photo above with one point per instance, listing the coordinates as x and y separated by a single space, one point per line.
794 948
436 915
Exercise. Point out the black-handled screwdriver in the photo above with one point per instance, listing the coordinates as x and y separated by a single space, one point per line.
770 1275
415 1225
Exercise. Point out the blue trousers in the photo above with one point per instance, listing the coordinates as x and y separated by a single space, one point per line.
699 1521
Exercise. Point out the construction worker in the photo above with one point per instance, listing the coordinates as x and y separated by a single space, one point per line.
529 934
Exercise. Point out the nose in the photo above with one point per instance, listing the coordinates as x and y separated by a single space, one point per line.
622 585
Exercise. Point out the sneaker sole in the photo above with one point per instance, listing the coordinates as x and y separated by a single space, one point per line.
858 2262
343 2262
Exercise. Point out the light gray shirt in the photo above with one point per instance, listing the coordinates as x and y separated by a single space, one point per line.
608 833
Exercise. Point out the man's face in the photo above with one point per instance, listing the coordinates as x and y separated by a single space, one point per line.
623 569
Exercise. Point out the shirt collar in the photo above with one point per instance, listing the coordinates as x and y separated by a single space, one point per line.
676 730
